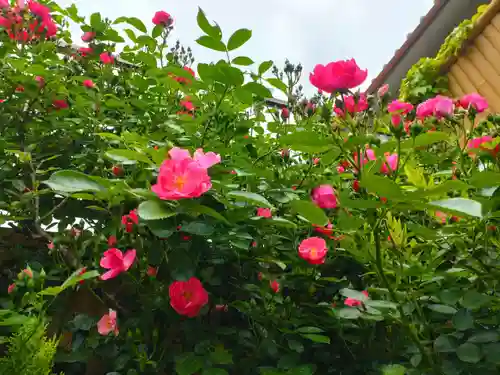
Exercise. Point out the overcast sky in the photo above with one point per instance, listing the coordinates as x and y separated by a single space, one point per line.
317 31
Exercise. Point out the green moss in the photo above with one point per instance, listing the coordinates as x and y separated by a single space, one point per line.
425 79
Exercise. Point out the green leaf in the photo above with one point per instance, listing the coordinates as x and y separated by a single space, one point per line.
96 21
200 209
469 353
215 371
278 83
72 182
382 186
204 24
154 210
484 337
426 139
242 60
309 330
211 43
75 278
279 221
14 319
492 353
198 228
459 206
310 212
393 370
317 338
134 21
258 89
349 313
306 141
474 300
350 293
127 157
251 198
381 305
188 364
445 344
239 38
265 66
442 309
463 320
445 187
146 58
160 228
485 179
221 356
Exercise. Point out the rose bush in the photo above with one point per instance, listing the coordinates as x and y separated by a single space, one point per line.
165 221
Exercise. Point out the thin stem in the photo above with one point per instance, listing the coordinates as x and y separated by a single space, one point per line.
216 109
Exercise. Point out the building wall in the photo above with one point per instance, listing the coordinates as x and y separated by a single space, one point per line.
478 68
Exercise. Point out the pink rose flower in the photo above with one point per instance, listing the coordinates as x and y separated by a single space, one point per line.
324 196
84 51
88 36
285 113
391 163
187 105
163 18
108 324
440 106
107 58
352 302
4 4
275 285
40 80
353 105
366 156
479 144
184 177
383 90
129 220
187 297
11 288
264 212
88 83
39 10
399 107
316 161
313 250
60 104
338 75
114 260
474 100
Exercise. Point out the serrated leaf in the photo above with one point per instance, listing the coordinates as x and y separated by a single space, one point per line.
252 198
211 43
154 210
134 21
72 182
442 309
127 157
382 186
426 139
265 66
310 212
242 60
204 24
459 206
238 38
198 228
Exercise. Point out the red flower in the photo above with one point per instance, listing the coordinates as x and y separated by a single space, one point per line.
324 196
84 51
355 302
88 83
275 285
11 288
112 241
187 105
19 88
117 170
185 80
88 36
40 80
355 185
152 271
285 113
28 272
187 297
107 58
60 104
163 18
186 238
264 212
116 262
129 220
313 250
253 244
316 161
338 75
39 10
50 246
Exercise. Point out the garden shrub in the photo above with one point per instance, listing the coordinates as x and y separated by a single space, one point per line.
185 226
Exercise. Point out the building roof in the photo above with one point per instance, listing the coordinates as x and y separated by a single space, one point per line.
425 40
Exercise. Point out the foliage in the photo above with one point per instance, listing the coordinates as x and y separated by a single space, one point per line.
133 280
30 352
425 79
